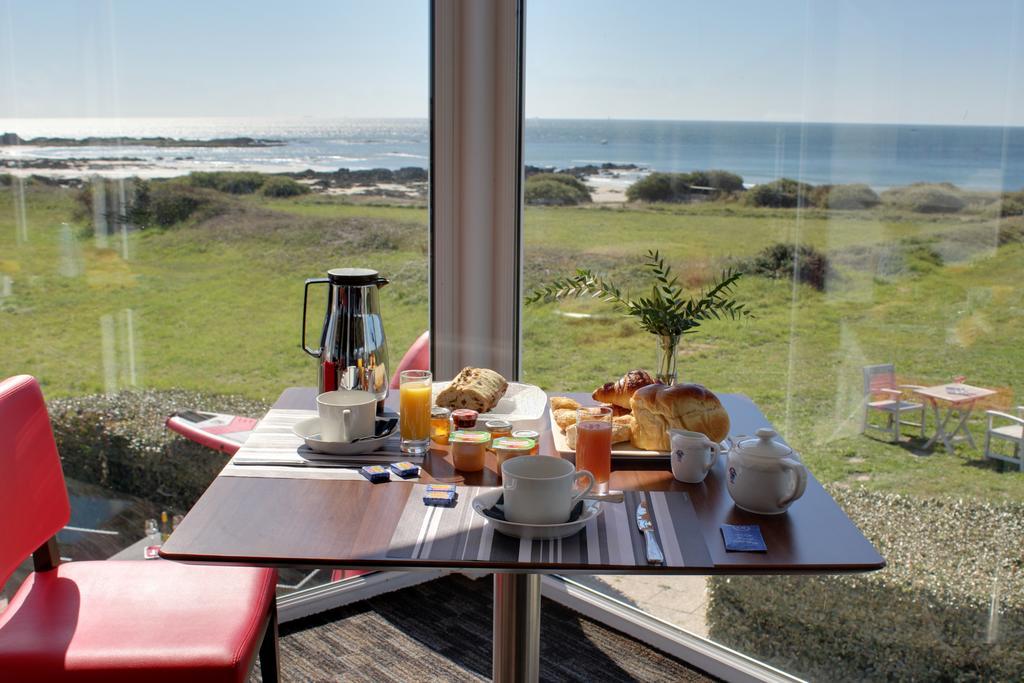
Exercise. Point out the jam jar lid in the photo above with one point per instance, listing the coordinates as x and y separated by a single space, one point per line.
511 443
469 436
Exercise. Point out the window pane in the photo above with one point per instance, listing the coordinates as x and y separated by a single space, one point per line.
171 176
874 209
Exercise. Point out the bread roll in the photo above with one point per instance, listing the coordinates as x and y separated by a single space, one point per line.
563 403
564 417
619 392
622 430
477 388
658 408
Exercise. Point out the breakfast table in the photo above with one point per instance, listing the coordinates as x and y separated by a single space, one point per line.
959 399
288 516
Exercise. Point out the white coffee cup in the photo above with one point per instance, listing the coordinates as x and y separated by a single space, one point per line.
539 489
346 415
693 455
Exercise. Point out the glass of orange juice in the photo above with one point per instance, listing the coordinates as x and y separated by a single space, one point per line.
594 444
414 410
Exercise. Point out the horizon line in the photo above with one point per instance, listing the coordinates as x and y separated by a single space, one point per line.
526 119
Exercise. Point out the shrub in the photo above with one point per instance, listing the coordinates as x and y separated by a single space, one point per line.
6 179
923 618
555 189
777 262
233 182
281 186
1012 204
655 187
924 198
119 441
857 196
723 181
783 193
166 203
677 187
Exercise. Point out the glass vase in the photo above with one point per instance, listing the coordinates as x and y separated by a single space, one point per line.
668 347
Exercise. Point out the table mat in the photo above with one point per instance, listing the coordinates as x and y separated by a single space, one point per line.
273 442
610 539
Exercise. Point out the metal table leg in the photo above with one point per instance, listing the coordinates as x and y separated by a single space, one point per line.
516 628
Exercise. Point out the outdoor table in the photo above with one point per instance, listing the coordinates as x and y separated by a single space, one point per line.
960 399
276 521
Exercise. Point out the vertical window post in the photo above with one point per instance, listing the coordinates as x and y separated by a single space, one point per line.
476 121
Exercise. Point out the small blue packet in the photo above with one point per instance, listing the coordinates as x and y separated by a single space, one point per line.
405 469
375 473
743 538
439 498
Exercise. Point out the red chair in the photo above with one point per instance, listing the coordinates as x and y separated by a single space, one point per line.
111 621
416 358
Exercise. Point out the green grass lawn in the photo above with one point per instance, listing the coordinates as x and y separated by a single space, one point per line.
215 305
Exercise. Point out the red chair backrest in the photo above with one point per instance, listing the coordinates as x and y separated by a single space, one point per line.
33 498
877 377
416 358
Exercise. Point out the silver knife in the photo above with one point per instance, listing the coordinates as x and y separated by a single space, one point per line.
646 526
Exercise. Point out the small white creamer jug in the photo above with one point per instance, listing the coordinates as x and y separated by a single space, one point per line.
764 475
693 455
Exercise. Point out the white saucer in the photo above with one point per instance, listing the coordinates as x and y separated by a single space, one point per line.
535 532
309 431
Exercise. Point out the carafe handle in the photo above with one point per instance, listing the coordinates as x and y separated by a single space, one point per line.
305 297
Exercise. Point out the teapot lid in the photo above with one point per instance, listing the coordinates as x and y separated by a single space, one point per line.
765 444
353 277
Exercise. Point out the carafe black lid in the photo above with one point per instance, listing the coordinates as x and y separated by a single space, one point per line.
353 277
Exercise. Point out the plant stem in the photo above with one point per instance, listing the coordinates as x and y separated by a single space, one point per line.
668 346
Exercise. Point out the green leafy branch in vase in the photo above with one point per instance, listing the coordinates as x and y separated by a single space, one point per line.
666 312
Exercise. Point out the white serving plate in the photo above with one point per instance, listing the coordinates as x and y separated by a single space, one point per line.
521 402
535 532
624 450
309 431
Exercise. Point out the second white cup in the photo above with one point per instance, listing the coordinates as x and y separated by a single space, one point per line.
346 415
539 489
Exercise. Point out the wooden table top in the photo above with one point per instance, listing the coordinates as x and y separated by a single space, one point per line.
345 523
955 393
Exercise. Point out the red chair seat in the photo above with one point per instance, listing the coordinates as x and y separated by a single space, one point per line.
135 621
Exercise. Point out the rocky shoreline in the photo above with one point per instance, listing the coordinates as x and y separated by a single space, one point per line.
15 139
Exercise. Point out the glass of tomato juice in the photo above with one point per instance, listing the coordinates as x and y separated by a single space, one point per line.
594 444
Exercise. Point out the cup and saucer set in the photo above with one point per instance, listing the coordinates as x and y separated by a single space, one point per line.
539 499
347 423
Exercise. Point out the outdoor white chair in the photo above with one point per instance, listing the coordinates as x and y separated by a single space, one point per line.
883 395
1012 432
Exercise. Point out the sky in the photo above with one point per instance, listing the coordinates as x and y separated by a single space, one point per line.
913 61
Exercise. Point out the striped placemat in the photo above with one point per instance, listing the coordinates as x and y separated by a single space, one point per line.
611 539
274 450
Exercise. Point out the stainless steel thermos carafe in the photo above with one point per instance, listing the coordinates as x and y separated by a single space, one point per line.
353 350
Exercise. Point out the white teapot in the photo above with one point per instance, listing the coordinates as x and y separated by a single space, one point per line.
764 475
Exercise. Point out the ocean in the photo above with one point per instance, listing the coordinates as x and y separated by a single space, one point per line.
880 155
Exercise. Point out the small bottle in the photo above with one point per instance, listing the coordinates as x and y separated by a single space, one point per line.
463 419
529 434
440 425
175 521
165 527
498 428
152 527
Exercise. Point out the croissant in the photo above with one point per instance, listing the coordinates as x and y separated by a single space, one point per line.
564 417
563 402
618 393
